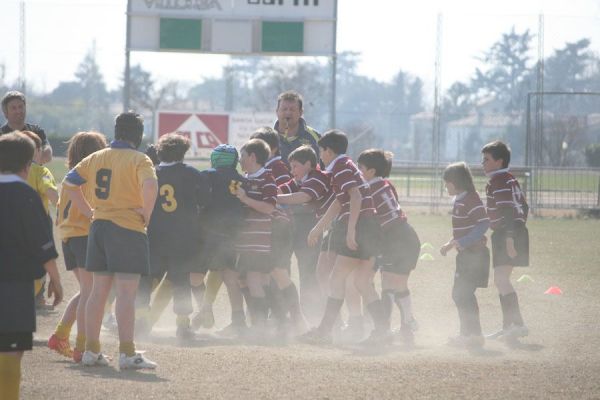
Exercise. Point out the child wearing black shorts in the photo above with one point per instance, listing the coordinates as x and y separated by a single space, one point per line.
25 244
469 224
356 236
400 245
253 244
222 217
508 210
174 230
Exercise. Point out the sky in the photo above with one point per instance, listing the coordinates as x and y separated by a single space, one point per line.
390 35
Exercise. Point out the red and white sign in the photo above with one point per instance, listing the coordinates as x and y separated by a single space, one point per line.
206 131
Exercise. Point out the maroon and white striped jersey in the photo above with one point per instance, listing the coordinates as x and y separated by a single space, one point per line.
316 184
503 190
468 210
385 199
281 174
279 170
345 176
255 235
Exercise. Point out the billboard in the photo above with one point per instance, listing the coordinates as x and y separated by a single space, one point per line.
207 130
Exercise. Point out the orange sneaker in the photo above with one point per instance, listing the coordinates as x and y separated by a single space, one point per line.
61 346
77 355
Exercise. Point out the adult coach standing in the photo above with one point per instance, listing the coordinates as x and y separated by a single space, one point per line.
15 109
293 133
292 128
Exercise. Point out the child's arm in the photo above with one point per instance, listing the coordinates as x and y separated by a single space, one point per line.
324 222
355 201
293 198
448 246
260 206
52 195
149 194
54 286
474 234
78 199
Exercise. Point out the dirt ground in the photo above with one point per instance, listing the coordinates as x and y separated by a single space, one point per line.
559 360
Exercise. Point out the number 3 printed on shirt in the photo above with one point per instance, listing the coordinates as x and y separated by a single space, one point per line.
167 193
103 177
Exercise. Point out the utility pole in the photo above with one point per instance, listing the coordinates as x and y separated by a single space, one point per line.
22 78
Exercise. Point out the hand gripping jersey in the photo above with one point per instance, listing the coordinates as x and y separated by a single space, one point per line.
223 213
504 191
281 174
70 221
317 184
255 235
345 175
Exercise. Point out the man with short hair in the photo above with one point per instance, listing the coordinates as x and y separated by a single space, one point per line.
15 110
292 128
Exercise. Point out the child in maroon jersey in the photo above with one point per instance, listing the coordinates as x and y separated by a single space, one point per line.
400 243
355 239
309 189
253 246
507 209
469 224
282 294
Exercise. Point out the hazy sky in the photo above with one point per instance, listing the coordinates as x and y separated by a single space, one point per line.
391 35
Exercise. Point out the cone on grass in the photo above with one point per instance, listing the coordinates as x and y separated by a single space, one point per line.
426 257
525 278
553 290
426 246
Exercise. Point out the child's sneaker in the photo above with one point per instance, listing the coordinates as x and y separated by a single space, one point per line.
378 338
497 335
517 331
77 355
315 337
61 346
90 359
204 318
137 361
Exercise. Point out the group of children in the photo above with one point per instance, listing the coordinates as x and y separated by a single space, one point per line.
127 222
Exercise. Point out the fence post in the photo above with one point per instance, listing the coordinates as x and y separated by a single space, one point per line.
598 199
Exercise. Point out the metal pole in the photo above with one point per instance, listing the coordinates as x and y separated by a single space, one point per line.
332 119
22 75
127 77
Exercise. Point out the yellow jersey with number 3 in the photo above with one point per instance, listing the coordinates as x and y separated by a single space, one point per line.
115 175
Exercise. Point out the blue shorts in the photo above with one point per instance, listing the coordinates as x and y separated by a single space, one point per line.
114 249
74 252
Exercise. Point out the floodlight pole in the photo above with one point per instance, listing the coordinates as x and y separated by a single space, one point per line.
332 115
127 75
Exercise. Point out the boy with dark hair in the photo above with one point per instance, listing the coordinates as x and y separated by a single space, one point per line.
282 290
125 193
355 239
310 193
469 224
26 245
400 245
174 230
507 209
253 246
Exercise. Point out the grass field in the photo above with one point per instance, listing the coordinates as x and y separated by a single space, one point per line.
559 360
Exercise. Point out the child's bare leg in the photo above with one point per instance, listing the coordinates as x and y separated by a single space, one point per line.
94 309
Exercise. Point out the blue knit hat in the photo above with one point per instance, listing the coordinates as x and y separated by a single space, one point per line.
224 155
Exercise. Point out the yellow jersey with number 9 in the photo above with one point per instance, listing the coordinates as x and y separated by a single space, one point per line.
115 176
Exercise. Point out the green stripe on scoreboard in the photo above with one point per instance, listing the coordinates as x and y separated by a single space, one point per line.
283 37
180 34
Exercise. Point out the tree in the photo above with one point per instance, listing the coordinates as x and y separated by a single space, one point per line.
507 70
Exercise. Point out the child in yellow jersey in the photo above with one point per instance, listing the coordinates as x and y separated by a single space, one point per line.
41 180
124 188
73 221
